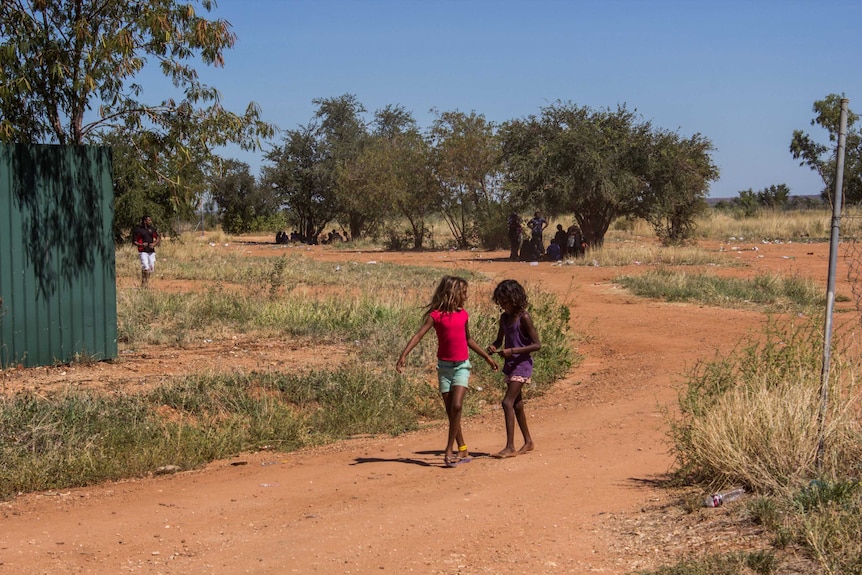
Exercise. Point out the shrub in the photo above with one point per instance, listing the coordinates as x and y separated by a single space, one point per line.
752 418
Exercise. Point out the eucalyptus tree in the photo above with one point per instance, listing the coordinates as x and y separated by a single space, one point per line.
68 75
775 196
403 183
466 159
392 120
746 203
676 173
242 205
137 190
343 135
573 159
821 158
296 176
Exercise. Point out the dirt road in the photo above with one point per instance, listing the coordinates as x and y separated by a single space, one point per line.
585 501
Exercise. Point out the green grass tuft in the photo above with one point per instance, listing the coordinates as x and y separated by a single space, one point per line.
773 293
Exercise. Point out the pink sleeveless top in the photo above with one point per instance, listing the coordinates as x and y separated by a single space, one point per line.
451 328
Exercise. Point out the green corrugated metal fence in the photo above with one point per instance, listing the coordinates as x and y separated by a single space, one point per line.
58 290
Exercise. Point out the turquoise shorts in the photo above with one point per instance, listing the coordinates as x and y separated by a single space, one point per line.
453 373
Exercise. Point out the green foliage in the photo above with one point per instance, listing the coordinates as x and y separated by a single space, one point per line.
343 135
74 439
573 159
395 179
298 180
774 292
363 401
555 357
821 158
406 184
749 203
276 276
466 161
821 520
820 494
62 59
774 196
396 239
601 165
129 207
764 511
827 522
677 172
242 204
491 227
334 168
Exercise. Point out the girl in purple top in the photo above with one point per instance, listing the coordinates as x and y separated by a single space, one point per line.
519 339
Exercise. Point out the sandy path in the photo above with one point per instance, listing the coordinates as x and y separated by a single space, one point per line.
375 505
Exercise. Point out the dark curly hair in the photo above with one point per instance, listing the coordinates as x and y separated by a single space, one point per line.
512 292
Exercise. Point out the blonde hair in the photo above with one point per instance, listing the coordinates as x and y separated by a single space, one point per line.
450 295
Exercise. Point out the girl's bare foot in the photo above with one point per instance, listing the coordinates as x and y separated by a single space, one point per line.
528 447
506 453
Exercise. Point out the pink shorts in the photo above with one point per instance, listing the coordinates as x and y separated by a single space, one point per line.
519 379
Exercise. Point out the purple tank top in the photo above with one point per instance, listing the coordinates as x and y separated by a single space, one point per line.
520 364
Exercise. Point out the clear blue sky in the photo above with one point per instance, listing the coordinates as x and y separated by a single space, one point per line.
744 74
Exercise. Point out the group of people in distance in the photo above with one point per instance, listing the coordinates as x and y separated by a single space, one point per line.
530 246
294 237
515 343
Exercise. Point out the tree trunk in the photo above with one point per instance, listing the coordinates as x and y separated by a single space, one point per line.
355 221
418 228
594 225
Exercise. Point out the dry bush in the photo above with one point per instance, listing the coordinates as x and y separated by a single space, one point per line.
752 418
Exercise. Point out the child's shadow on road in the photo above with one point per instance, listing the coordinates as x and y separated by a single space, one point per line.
438 454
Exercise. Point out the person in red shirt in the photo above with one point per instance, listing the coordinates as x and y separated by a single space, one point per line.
146 237
446 314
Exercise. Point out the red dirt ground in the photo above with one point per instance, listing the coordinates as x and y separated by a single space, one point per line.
587 500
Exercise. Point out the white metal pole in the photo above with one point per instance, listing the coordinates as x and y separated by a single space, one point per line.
837 196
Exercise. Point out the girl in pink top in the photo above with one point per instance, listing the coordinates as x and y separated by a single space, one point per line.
450 320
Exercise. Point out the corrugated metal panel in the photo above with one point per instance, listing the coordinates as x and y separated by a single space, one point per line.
58 290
